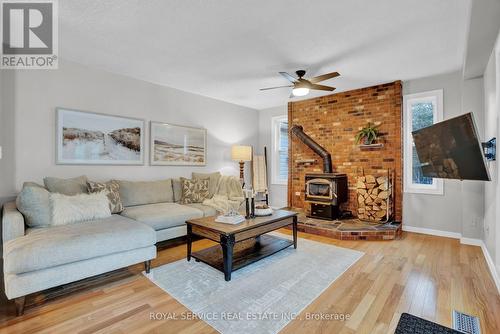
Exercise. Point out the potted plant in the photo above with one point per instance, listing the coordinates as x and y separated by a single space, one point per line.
368 134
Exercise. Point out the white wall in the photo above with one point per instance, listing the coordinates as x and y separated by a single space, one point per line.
460 209
473 191
38 93
277 192
497 87
7 164
492 126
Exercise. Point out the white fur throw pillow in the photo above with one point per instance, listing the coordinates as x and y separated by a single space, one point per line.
78 208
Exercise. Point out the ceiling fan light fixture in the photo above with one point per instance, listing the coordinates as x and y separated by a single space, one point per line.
301 86
300 91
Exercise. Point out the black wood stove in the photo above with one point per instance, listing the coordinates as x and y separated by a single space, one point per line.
324 191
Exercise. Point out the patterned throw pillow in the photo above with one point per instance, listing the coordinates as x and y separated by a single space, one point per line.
194 191
112 189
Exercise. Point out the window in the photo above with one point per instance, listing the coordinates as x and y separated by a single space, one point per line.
279 157
420 110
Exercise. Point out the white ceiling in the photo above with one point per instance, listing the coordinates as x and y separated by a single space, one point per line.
229 49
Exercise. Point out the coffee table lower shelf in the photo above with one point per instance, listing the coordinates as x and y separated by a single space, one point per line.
244 253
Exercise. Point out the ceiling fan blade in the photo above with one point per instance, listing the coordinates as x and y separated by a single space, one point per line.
320 87
324 77
288 77
276 87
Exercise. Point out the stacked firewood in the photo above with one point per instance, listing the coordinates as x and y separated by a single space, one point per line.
374 197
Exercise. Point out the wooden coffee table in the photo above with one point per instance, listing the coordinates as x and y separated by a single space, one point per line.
240 244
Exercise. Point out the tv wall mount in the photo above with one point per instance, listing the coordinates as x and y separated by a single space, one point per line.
490 149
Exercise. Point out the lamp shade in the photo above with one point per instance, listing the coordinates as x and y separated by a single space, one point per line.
241 153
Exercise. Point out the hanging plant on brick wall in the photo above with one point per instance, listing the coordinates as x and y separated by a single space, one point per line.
369 134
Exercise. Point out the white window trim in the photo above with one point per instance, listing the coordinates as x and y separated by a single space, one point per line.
275 121
436 96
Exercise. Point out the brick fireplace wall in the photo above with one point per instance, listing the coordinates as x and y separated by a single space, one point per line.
333 121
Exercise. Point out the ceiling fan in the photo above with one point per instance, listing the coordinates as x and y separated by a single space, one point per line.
301 86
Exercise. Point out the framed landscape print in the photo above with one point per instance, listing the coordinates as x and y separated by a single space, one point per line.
176 145
86 138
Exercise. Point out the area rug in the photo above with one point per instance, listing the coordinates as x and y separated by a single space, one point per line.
260 298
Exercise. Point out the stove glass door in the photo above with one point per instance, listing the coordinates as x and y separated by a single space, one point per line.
319 188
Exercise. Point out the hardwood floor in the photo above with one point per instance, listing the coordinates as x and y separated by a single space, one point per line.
424 275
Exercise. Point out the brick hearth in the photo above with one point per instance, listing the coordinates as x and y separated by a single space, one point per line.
349 229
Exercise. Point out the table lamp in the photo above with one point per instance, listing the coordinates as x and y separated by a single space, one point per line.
241 154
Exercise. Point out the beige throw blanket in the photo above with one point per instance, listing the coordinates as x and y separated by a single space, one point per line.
228 196
259 174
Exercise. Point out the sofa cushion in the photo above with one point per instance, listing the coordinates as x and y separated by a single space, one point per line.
57 245
207 210
213 181
146 192
74 186
33 203
162 215
177 186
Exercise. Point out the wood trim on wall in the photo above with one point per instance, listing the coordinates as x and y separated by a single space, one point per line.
290 143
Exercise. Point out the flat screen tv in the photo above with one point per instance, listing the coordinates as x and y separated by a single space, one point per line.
451 150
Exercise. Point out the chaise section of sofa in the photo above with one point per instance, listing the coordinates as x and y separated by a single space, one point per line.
36 259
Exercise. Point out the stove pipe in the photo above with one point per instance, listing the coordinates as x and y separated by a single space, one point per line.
327 158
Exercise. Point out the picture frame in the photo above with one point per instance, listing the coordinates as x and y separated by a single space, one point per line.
89 138
177 145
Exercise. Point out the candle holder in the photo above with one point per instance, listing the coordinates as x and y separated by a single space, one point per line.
247 208
252 214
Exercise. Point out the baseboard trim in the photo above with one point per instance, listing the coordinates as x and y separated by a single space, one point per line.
471 241
463 240
491 265
430 231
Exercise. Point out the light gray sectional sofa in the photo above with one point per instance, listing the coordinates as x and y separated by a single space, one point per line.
36 259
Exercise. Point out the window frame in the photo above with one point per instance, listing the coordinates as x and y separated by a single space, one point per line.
436 98
275 157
